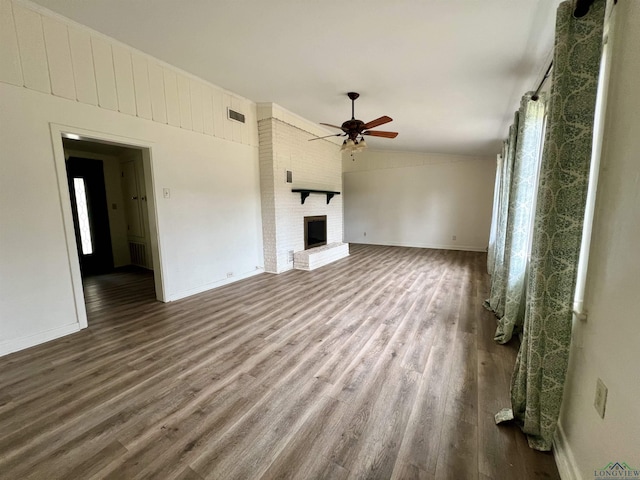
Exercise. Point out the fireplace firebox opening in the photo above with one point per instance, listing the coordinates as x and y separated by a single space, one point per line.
315 231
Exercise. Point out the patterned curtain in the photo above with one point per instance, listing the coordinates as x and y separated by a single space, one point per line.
538 380
520 213
496 299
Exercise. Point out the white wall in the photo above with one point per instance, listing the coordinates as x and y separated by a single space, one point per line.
607 344
285 146
418 200
209 227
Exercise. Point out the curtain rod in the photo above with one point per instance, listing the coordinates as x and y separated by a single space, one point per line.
582 8
535 96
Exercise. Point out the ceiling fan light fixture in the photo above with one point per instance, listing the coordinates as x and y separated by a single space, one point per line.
356 145
348 144
354 129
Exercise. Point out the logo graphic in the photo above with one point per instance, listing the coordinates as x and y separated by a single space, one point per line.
617 470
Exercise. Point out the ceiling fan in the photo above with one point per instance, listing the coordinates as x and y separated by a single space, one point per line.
354 128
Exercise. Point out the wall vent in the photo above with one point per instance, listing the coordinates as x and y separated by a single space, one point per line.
138 254
233 115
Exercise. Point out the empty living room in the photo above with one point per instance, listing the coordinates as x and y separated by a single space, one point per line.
266 240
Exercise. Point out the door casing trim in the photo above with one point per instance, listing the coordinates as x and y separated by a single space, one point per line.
57 132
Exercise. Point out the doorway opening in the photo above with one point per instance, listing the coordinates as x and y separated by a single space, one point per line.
110 213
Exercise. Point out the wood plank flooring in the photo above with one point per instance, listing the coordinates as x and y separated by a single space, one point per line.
379 366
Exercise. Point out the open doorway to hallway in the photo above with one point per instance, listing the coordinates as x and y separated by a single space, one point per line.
108 197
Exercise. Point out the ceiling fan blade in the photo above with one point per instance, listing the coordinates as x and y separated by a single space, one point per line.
332 126
327 136
378 133
377 122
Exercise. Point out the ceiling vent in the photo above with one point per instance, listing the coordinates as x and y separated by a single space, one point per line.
233 115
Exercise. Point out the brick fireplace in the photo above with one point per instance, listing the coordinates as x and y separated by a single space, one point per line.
285 147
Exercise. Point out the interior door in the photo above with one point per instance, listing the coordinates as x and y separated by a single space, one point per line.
133 199
90 215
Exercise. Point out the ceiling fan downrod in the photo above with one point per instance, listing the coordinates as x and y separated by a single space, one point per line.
353 96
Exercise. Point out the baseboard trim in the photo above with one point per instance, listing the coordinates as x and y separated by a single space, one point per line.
22 343
212 285
464 248
564 457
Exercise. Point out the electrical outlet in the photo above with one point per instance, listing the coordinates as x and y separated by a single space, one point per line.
229 274
601 398
365 234
454 237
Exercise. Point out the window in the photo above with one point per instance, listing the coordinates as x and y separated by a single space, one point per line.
83 216
598 133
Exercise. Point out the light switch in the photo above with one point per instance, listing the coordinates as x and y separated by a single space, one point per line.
166 193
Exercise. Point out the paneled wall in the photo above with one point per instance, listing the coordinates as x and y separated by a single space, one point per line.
58 76
42 51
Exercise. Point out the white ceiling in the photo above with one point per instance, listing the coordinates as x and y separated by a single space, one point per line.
449 72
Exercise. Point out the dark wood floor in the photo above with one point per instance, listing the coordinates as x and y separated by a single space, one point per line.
379 366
